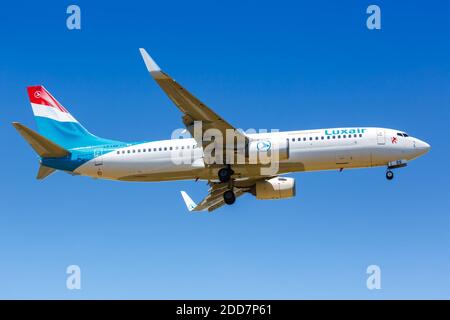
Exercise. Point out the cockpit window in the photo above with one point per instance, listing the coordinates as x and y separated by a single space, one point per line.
405 135
402 134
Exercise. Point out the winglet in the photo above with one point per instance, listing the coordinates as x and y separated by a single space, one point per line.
151 65
190 204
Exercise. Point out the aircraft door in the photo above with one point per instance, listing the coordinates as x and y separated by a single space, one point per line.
98 160
381 138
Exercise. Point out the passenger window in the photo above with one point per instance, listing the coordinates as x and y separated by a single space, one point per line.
339 136
139 150
360 135
354 136
328 137
310 138
165 149
317 138
322 137
344 136
334 137
304 139
118 152
154 149
134 151
160 149
293 139
128 151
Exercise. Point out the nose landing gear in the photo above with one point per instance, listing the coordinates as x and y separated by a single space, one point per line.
389 175
394 165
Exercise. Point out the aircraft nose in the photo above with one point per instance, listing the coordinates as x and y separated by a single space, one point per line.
422 146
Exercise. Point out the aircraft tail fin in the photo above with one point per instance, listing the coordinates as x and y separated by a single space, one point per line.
56 123
43 146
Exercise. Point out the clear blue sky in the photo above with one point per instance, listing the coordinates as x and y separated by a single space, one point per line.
283 64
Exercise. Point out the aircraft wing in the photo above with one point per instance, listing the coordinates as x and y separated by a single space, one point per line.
191 107
213 200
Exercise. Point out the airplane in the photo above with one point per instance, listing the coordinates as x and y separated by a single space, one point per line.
62 143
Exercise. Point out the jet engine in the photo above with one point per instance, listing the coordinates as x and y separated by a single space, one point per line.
275 188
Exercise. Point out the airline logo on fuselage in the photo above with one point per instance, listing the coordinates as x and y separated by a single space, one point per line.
264 145
332 132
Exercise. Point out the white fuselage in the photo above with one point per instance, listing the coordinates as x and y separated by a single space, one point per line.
309 150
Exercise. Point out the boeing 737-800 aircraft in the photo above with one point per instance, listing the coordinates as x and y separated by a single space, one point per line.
64 144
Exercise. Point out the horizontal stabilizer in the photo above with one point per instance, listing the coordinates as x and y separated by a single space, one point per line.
44 172
43 147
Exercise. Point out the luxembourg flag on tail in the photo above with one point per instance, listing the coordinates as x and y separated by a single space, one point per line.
45 105
55 123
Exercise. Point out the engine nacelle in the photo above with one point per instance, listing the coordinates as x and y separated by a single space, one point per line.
274 149
275 188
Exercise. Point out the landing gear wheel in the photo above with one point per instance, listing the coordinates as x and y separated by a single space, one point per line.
225 174
229 197
389 175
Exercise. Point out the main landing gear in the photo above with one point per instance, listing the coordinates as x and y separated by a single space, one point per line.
229 197
225 174
389 175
